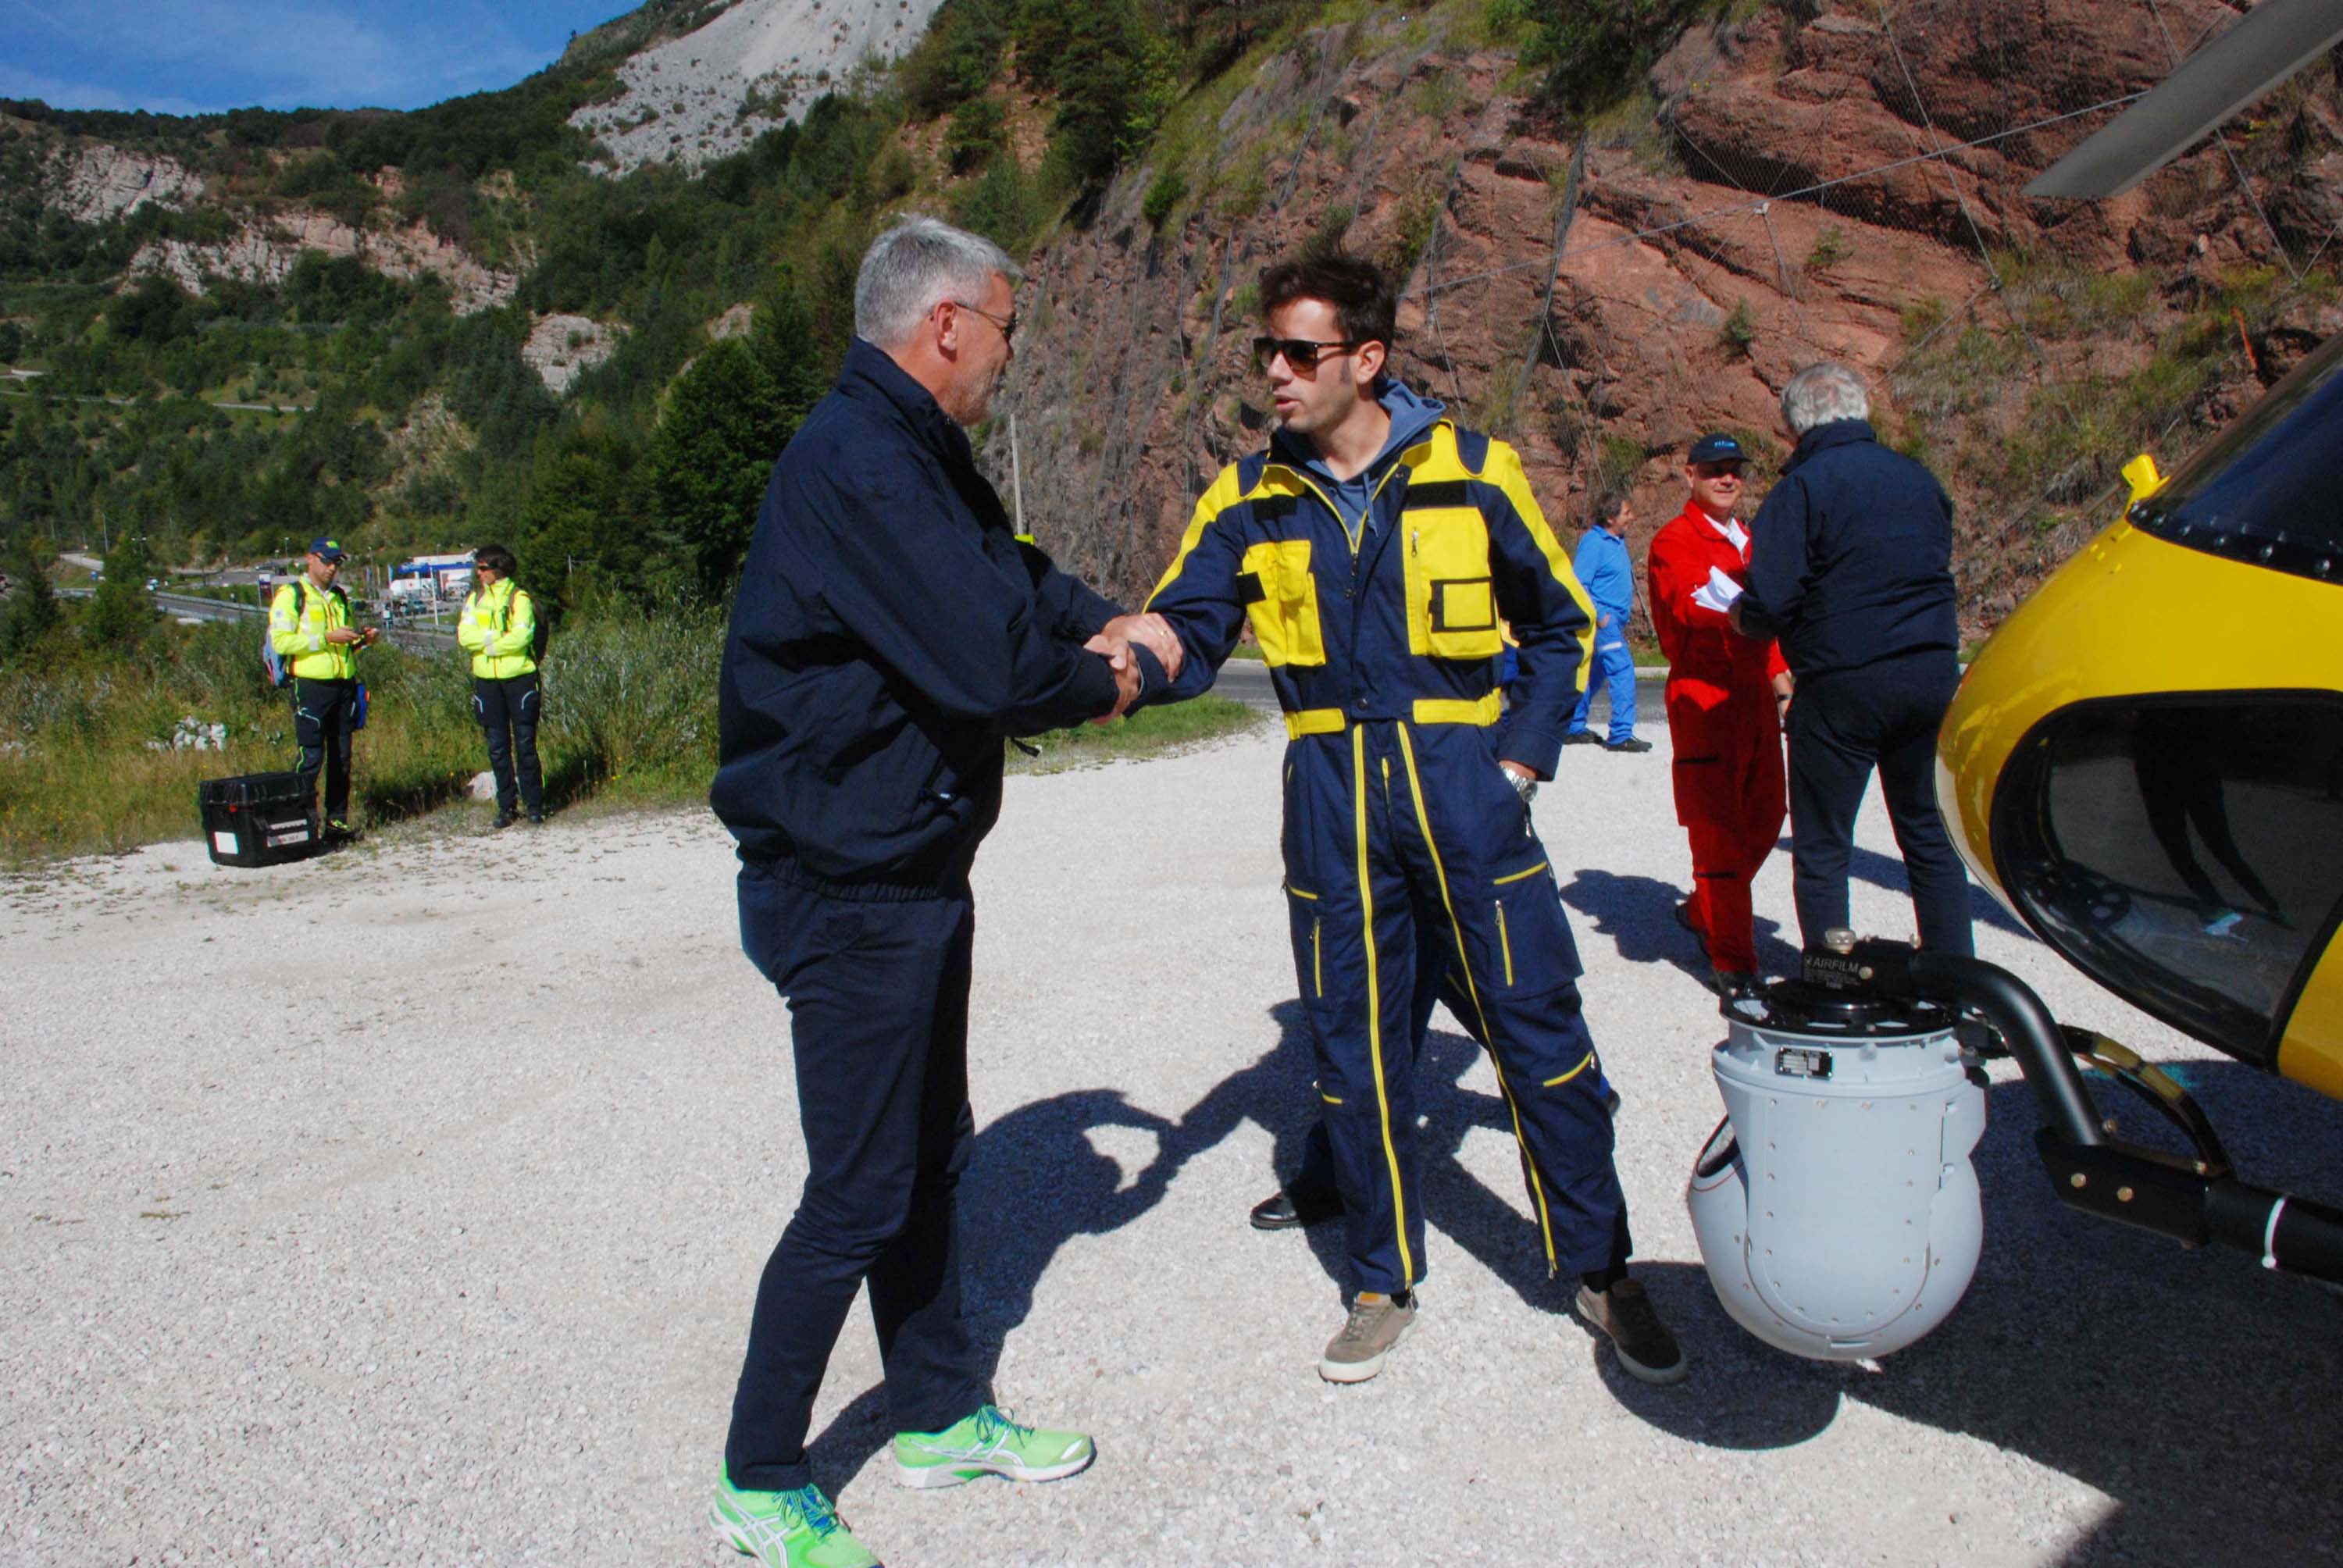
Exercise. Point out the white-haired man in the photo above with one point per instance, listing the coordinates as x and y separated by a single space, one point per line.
888 632
1850 567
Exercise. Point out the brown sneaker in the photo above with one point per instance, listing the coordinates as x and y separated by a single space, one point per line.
1376 1324
1647 1351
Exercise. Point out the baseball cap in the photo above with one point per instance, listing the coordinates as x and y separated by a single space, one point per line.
325 549
1716 447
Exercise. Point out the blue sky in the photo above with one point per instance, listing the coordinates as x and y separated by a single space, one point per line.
192 57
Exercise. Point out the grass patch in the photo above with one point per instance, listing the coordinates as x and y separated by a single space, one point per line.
629 715
1150 732
630 721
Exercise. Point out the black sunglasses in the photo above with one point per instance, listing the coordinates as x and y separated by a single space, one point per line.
1299 353
1007 327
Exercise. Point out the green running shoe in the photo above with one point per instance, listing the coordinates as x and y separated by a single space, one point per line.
989 1443
786 1529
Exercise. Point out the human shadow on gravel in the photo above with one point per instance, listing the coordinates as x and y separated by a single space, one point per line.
1639 915
2195 1389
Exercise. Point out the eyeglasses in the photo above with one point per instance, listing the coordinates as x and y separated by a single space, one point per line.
1299 353
1008 328
1727 470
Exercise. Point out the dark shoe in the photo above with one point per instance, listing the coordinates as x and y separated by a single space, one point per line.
1582 738
338 831
537 819
1633 743
1734 984
1647 1351
504 820
1285 1211
1683 919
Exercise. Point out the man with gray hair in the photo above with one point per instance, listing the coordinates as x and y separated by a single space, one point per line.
889 632
1850 567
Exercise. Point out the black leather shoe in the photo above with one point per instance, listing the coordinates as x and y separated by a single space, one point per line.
1633 743
504 820
1582 738
537 819
1285 1211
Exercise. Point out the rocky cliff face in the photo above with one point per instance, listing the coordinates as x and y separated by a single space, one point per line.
717 88
1769 202
265 249
93 183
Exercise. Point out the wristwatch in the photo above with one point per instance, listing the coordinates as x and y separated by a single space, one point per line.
1523 786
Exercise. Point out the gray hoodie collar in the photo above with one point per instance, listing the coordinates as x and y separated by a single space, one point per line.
1411 417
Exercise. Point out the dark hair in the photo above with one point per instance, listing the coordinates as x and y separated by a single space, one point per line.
1604 508
496 558
1364 305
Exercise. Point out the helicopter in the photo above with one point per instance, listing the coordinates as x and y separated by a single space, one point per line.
2144 764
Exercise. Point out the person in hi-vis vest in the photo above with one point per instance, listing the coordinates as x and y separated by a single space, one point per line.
309 627
499 628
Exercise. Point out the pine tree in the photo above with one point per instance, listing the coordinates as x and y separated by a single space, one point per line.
709 459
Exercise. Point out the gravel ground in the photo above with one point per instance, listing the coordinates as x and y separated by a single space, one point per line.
407 1206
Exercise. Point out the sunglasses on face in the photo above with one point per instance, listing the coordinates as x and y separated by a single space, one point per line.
1720 470
1008 328
1301 354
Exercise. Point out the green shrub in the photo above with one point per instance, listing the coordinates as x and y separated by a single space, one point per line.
1164 195
1738 331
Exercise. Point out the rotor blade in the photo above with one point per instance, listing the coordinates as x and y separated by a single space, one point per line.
2271 44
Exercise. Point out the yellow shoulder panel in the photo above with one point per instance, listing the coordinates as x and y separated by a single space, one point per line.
1503 470
1225 491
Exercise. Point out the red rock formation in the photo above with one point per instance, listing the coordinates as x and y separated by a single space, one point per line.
2012 340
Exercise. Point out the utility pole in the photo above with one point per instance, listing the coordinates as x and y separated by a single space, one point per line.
1017 478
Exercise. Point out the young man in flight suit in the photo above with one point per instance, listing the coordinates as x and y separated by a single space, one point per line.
1724 696
1375 547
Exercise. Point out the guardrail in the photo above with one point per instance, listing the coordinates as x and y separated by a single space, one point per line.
416 638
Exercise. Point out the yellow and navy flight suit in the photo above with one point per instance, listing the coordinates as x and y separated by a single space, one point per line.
1405 845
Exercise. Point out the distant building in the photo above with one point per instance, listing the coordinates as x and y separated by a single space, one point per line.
431 576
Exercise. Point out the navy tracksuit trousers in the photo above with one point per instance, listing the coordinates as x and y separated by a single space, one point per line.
877 999
1843 724
1402 839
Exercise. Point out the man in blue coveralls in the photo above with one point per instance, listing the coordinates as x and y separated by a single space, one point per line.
1609 578
1374 547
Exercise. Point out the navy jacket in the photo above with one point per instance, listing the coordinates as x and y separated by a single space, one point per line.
889 630
1850 557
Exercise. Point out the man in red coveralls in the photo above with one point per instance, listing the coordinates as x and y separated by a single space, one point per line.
1725 699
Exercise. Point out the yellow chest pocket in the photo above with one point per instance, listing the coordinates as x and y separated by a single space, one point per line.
1451 604
1280 598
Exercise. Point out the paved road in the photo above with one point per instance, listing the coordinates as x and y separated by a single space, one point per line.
449 1259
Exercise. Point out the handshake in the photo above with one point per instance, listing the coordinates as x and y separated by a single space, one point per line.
1115 641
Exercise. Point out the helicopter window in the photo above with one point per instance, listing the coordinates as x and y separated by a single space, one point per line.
2186 852
2260 492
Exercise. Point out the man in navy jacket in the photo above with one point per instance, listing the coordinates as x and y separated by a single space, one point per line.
889 633
1850 567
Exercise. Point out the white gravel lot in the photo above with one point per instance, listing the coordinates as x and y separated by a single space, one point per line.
405 1207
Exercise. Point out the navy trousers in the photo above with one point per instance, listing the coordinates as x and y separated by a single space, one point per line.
1843 724
324 714
877 999
506 711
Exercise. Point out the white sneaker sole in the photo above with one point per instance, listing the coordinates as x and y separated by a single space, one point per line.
1360 1371
921 1477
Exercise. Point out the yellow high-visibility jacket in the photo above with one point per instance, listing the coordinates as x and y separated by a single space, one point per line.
300 617
499 626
